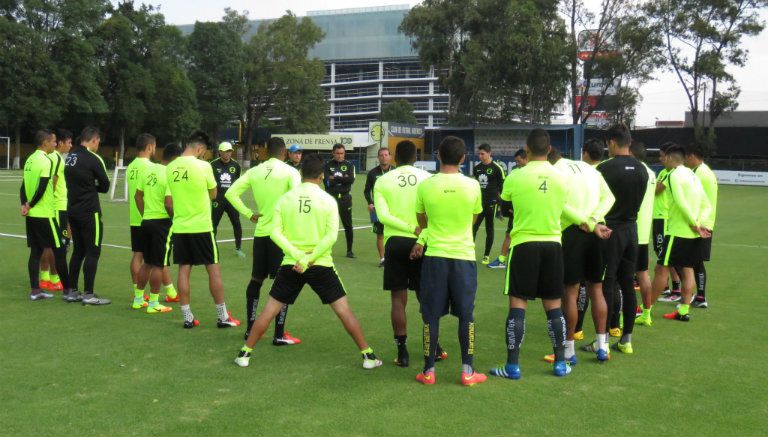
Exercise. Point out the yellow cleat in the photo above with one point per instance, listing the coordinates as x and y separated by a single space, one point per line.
615 332
578 336
139 304
158 309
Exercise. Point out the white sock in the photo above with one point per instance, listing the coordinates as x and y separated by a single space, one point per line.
221 311
188 316
602 341
569 349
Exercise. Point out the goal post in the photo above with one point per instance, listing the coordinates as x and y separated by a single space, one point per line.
118 191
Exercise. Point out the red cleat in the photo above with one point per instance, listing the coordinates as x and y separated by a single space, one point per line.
45 285
473 379
426 378
56 287
675 315
171 299
286 340
237 322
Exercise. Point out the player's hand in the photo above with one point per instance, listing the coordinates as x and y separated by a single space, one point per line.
25 209
602 231
417 231
371 207
255 218
417 251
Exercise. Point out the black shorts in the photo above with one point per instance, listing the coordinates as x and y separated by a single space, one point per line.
658 235
267 257
377 228
157 241
62 220
582 256
42 233
642 258
137 239
401 272
323 280
706 248
535 269
195 249
447 285
681 252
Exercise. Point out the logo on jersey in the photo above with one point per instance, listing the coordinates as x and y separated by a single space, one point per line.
226 178
483 180
343 168
232 169
489 171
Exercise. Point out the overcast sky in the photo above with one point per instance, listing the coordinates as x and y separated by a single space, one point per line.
663 99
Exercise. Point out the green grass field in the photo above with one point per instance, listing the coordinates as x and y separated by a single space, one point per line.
73 370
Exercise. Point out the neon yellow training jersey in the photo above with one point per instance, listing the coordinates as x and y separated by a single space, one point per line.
155 190
538 193
135 175
60 189
661 200
709 183
645 214
590 197
689 205
305 224
39 165
268 181
394 196
450 201
189 180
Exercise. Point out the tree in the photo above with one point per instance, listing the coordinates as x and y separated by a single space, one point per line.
702 38
398 111
281 82
501 61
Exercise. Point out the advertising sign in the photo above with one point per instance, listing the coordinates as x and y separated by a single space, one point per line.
728 177
317 142
591 40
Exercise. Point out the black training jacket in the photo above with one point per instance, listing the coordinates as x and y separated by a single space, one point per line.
86 177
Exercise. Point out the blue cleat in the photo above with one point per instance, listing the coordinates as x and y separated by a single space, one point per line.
496 264
509 371
561 368
603 355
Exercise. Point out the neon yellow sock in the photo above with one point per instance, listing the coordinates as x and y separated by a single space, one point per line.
246 349
154 299
647 311
55 279
170 290
502 258
44 275
367 351
138 293
684 309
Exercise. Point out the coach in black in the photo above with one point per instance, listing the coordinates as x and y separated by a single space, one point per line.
86 177
226 171
627 179
339 177
490 175
375 173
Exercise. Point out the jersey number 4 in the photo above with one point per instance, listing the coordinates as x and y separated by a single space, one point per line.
178 176
543 187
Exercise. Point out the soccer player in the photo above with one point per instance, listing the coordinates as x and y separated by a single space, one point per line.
521 158
154 203
86 177
694 159
145 149
305 225
227 171
193 186
294 156
628 180
689 208
591 199
660 212
50 278
37 208
490 175
375 173
268 182
339 177
395 198
644 221
538 193
447 205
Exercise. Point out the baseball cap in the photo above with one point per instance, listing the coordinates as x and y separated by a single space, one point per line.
225 146
294 148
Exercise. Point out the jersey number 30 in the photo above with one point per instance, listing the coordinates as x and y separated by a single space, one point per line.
406 180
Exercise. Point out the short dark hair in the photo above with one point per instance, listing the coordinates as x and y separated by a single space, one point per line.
695 150
663 148
63 135
675 150
485 147
521 154
42 135
594 148
338 146
620 134
312 167
144 140
554 155
451 150
275 146
538 142
637 148
382 149
88 133
171 151
405 152
198 137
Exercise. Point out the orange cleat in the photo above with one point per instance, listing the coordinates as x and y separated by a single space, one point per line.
473 379
426 378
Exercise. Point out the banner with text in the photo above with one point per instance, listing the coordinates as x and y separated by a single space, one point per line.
729 177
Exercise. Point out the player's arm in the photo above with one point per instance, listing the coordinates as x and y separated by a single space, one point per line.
235 191
278 236
705 209
660 187
100 174
682 202
348 178
44 178
384 214
210 180
605 202
139 198
501 177
368 190
329 238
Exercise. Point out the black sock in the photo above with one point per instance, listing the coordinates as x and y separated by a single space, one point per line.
61 266
429 340
89 269
556 327
700 273
400 341
467 341
615 321
676 286
238 230
252 294
515 328
280 322
34 267
582 305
